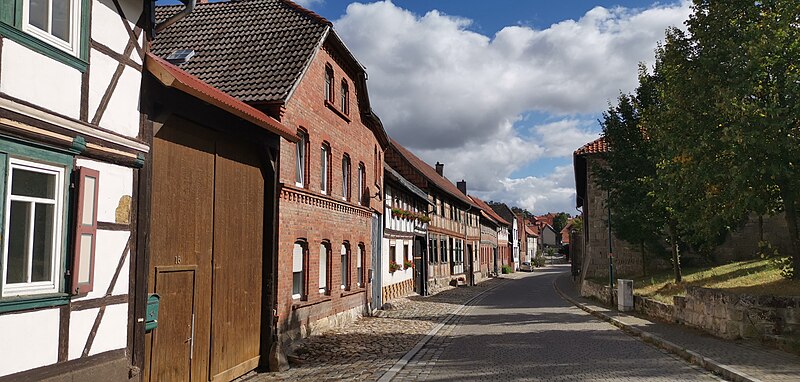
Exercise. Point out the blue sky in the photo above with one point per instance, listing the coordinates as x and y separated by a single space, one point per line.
502 91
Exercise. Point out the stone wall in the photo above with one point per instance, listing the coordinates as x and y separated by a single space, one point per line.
743 244
654 309
627 257
730 315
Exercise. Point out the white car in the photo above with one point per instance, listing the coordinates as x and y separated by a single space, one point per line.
526 266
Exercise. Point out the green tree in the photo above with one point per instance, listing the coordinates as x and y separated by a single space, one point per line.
560 221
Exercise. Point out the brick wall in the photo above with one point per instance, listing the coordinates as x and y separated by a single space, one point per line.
306 213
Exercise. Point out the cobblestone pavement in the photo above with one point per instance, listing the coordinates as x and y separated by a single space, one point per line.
747 357
523 330
367 348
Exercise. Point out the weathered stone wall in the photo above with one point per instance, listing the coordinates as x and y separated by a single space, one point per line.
627 258
743 244
730 315
654 309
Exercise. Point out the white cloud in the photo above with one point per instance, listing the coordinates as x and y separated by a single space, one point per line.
551 193
452 94
308 3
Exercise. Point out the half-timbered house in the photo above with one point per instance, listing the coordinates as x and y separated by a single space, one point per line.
289 63
454 219
70 75
494 239
511 237
404 261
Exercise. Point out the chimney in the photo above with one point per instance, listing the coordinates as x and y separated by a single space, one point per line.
462 186
440 168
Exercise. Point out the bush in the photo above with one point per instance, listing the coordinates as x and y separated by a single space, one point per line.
538 260
507 269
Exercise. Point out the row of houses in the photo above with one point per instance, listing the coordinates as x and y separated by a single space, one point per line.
188 189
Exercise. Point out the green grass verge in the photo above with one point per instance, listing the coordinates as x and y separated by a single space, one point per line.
755 277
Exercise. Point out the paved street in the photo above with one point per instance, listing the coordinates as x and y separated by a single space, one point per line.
523 330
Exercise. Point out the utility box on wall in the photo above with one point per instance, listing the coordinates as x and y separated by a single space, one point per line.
624 295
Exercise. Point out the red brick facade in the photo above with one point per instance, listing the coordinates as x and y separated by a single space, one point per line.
308 214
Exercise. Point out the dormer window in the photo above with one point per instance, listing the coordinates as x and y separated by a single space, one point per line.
328 83
345 94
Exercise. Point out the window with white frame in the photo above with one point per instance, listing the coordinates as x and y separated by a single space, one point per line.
407 251
345 177
55 21
325 153
33 228
324 252
345 94
345 257
298 271
300 159
359 265
328 83
361 183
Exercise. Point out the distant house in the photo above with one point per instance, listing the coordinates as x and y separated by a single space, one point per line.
494 239
508 215
565 232
547 235
532 242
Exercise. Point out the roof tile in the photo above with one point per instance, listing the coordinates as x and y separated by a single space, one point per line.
597 146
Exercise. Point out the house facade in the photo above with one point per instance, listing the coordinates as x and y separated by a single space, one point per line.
532 240
404 261
70 154
454 219
507 214
494 239
323 229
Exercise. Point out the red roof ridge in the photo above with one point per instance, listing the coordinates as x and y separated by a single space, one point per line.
488 210
307 12
596 146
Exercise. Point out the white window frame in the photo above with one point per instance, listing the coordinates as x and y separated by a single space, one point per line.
344 263
56 271
323 268
345 177
361 175
360 266
324 165
297 296
73 46
300 159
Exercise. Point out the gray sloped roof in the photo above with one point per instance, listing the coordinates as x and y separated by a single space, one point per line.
254 50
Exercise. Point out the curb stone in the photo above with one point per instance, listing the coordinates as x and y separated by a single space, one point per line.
684 353
406 358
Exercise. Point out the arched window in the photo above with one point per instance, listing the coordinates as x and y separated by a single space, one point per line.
324 267
299 254
345 265
301 166
346 177
361 184
324 172
328 83
345 95
360 264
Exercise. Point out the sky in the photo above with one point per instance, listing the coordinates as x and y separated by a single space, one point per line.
502 92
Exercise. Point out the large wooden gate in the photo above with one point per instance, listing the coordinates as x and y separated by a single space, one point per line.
206 251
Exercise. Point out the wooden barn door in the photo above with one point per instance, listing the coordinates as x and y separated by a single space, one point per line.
206 251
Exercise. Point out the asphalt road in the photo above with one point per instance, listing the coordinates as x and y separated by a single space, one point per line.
523 330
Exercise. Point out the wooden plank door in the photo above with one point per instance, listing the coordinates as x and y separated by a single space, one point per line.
176 324
238 253
181 235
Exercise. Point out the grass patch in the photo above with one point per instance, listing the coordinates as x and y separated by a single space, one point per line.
755 277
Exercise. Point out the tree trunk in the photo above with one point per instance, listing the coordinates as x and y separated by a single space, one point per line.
644 263
676 264
790 207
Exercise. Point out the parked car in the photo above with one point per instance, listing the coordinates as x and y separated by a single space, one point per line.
526 266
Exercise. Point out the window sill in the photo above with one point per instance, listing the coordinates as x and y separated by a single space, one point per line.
352 292
305 304
337 111
42 47
13 304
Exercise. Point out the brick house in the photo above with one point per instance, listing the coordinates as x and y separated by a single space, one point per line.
522 237
512 260
454 229
404 238
289 63
494 239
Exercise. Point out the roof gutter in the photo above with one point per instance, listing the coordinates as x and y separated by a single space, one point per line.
190 4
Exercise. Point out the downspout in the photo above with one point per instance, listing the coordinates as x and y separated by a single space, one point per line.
190 4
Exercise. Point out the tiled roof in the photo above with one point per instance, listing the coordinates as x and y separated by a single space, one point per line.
254 50
530 231
430 173
394 175
488 211
597 146
172 76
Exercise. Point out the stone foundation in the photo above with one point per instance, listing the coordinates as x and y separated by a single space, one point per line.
401 289
288 337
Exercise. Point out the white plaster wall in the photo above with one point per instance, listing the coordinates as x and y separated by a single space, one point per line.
400 275
107 27
80 324
115 182
40 80
122 112
28 340
113 331
110 245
